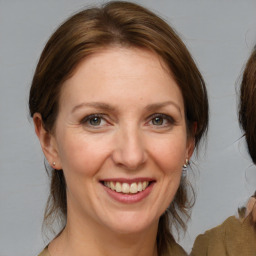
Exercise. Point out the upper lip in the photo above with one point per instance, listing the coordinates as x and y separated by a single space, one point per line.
129 181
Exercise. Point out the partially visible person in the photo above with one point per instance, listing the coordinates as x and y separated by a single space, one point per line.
118 106
237 235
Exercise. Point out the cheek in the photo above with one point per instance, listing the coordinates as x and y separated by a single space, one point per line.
169 153
82 154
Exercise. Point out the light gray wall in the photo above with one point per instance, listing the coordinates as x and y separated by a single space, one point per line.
219 34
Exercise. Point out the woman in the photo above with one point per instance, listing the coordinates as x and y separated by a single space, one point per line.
118 105
237 236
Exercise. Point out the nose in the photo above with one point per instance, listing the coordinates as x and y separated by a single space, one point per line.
129 149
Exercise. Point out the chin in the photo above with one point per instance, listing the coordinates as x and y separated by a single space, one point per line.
131 223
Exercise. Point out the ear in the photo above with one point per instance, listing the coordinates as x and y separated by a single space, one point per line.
47 141
190 147
191 141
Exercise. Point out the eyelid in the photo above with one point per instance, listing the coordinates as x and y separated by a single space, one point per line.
169 118
103 116
88 117
85 121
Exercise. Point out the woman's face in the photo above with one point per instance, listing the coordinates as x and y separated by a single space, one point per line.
121 140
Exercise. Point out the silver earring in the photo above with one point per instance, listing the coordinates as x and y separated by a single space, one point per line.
186 164
53 163
185 168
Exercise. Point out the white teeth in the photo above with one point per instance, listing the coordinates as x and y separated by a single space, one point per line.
133 188
144 184
126 188
139 186
118 187
112 185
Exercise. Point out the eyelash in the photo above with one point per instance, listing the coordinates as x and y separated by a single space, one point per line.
164 117
169 119
86 119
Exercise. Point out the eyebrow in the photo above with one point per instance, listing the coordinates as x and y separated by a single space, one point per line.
105 106
97 105
156 106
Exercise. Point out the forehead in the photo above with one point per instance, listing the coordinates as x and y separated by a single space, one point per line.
121 58
127 73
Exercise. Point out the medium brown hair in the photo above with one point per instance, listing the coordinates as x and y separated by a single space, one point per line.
247 111
127 25
247 106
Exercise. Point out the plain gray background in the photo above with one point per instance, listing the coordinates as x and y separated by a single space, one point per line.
220 36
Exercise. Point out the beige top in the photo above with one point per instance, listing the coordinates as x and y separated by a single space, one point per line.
234 237
174 250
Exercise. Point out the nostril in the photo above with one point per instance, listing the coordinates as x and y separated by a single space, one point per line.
129 159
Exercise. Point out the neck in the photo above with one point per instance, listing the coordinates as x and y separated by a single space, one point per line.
87 238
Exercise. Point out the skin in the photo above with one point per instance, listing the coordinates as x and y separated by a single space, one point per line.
251 207
128 88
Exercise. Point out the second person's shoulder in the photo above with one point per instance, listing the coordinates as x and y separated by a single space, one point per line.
232 237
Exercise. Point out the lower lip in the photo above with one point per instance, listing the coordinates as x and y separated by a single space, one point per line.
129 198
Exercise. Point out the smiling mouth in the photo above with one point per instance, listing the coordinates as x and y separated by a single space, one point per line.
126 188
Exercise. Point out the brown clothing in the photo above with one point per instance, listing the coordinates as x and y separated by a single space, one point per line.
44 252
174 250
234 237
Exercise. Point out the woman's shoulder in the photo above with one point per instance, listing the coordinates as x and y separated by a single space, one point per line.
233 237
213 238
45 252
